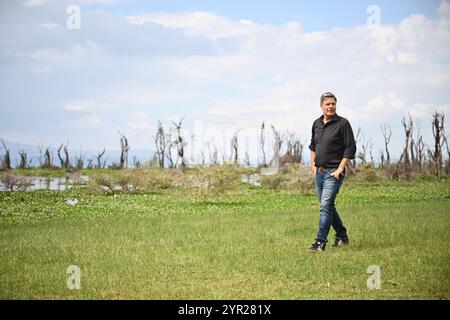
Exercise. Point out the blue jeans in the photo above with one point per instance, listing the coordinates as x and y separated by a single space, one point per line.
327 188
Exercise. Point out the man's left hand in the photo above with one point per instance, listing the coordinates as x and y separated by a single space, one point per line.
337 173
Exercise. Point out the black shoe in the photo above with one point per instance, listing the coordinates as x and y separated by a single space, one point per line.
340 242
318 246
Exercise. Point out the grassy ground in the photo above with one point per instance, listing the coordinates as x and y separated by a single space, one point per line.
249 244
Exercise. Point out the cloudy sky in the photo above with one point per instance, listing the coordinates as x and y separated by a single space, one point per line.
223 65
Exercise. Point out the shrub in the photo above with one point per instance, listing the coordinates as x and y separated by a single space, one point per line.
165 178
215 179
366 172
272 181
295 177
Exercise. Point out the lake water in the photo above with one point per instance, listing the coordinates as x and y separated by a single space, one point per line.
42 183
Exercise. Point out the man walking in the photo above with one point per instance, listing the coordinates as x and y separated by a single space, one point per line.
332 147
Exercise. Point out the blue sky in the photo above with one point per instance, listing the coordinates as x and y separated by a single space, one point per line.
223 65
313 15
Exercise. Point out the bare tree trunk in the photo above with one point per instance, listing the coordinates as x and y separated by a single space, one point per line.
180 143
65 162
263 139
358 137
298 151
395 174
420 155
47 159
278 141
234 156
408 128
170 146
213 155
99 161
23 160
79 161
387 133
447 165
370 151
247 159
438 129
364 145
124 147
161 144
6 159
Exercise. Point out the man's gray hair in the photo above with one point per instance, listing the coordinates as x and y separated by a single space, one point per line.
327 95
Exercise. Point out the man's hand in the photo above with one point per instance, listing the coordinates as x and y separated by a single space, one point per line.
313 169
337 173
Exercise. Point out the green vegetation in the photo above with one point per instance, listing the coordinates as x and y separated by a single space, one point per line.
223 240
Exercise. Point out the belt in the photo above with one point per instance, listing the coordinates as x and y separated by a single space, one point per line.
322 170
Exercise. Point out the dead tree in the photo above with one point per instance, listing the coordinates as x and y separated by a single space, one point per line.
262 141
99 161
234 156
447 165
295 147
170 146
357 138
6 159
277 143
247 159
79 161
202 156
213 155
180 143
438 129
420 154
65 163
382 157
364 145
47 159
298 150
161 144
417 150
24 163
124 148
395 174
371 151
290 141
408 128
387 133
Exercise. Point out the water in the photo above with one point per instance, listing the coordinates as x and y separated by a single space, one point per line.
51 183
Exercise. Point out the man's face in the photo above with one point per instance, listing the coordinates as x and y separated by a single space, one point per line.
329 107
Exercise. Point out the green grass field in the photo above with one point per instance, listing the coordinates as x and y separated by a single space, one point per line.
249 244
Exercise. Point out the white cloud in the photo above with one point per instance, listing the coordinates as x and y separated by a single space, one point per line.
91 120
49 25
444 10
139 120
125 95
209 67
197 23
40 3
35 3
75 107
383 103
